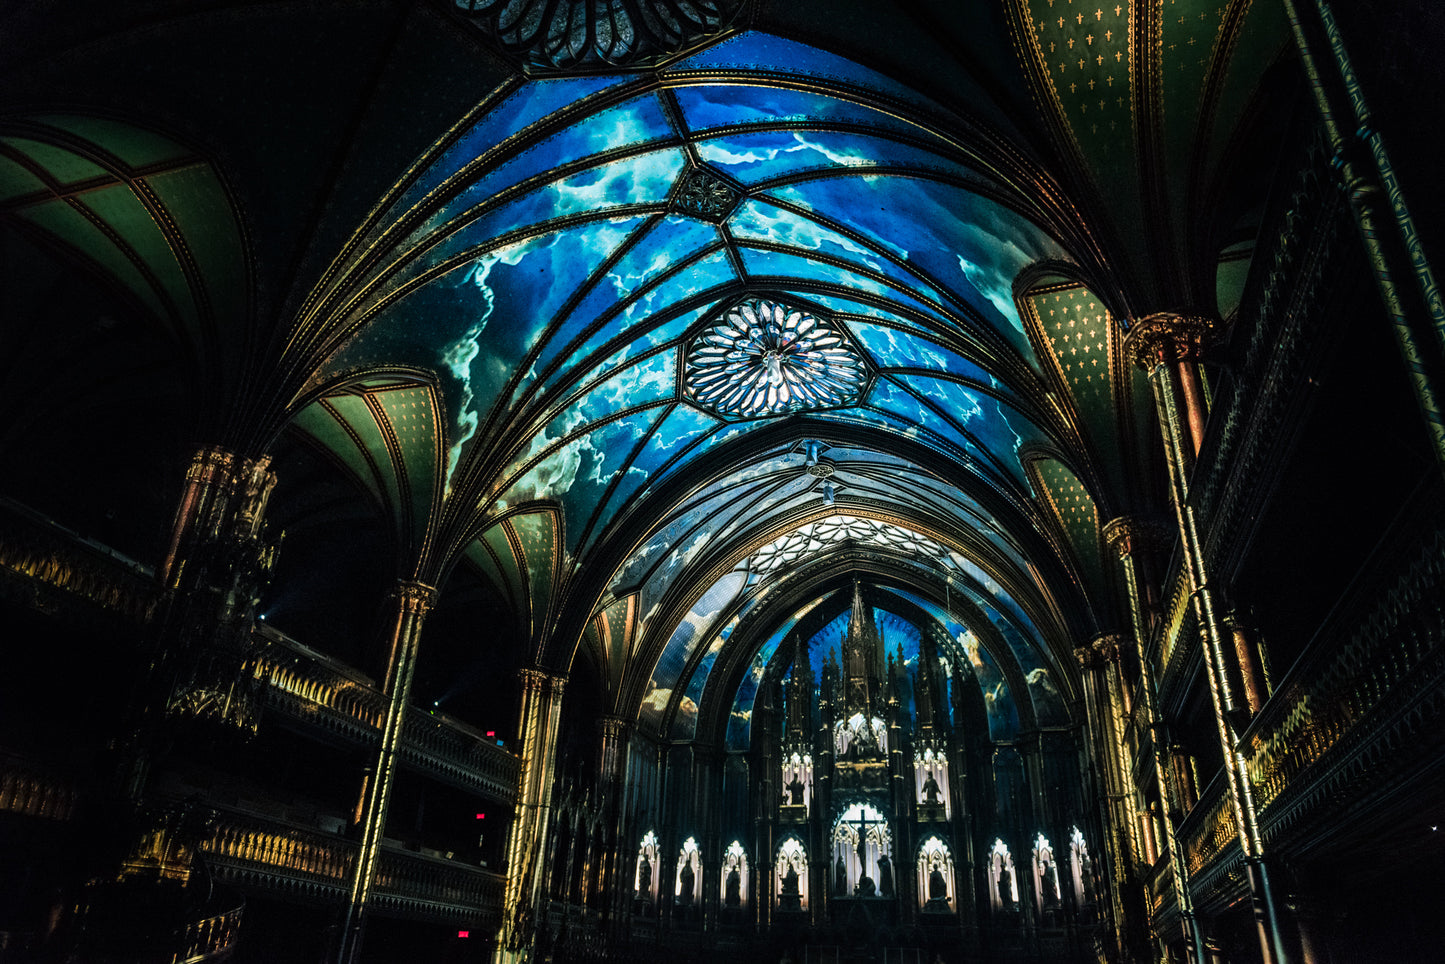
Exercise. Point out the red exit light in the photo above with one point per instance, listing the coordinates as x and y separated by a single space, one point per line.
464 933
481 816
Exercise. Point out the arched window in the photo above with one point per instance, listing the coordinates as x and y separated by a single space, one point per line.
1002 880
644 879
935 877
798 781
930 778
689 874
1081 868
862 854
791 872
1046 875
735 883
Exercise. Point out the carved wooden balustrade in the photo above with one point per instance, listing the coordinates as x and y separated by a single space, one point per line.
31 793
211 939
313 689
48 563
1354 719
1283 305
305 864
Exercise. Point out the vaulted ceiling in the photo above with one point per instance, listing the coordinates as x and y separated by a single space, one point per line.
662 326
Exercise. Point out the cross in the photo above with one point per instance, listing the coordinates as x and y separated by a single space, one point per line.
863 823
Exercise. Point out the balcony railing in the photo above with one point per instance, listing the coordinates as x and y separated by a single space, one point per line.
1362 709
311 688
55 561
259 852
32 793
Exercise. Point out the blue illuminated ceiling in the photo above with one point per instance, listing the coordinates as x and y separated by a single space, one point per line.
639 295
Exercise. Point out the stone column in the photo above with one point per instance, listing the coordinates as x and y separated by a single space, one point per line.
1397 255
1254 682
1167 346
1115 805
1131 539
615 879
537 734
412 602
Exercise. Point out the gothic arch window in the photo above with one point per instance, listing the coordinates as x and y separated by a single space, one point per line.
930 778
1081 868
689 874
935 877
798 780
645 874
735 882
1003 887
1046 875
791 872
862 854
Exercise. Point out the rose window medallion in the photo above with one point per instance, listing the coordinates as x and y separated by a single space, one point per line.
762 358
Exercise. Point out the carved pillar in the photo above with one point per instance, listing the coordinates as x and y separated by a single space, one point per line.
413 600
1253 681
1131 539
537 733
1167 346
615 877
1397 255
1115 805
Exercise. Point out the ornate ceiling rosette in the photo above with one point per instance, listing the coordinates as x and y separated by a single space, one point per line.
762 358
565 34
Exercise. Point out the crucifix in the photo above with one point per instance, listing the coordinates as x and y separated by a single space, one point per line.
866 886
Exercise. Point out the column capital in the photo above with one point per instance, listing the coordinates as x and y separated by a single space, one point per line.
414 597
614 727
1129 533
1168 337
211 464
1088 657
1107 646
535 676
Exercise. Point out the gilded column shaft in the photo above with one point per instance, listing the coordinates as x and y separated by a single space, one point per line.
1397 255
413 602
613 880
1120 842
1124 535
540 718
1157 343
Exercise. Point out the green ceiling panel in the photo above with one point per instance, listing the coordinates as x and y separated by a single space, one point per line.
412 415
1077 515
135 147
196 200
537 534
17 181
118 207
319 422
481 558
1080 334
356 414
1190 30
1265 34
1084 50
71 227
496 540
64 166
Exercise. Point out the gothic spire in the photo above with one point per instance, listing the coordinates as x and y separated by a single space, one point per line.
861 660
